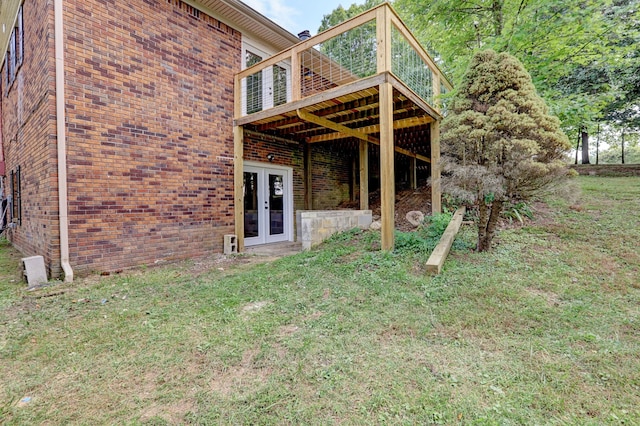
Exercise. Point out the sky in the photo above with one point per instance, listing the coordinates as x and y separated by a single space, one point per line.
297 15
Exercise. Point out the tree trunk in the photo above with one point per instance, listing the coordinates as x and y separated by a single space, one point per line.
585 146
623 147
483 219
487 224
496 10
577 147
598 145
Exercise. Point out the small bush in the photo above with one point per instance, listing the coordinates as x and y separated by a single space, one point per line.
517 211
435 225
426 237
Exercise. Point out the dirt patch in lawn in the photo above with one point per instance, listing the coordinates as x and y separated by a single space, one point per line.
551 298
247 376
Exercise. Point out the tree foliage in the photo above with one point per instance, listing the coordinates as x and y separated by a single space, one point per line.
354 50
340 14
582 54
499 142
624 107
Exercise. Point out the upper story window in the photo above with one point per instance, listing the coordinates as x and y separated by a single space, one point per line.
254 84
16 197
266 88
15 52
19 30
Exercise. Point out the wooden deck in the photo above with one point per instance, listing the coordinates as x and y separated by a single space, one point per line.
394 105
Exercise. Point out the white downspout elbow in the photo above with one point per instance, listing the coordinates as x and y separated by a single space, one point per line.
62 143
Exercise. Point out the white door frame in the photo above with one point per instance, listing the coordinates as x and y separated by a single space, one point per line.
263 169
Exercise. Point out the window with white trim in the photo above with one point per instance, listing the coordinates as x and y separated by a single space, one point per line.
268 87
16 197
19 30
254 85
15 52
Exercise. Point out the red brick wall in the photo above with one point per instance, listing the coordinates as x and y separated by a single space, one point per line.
331 167
149 104
285 154
29 140
150 144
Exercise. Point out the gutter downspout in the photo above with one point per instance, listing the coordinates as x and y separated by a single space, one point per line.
62 143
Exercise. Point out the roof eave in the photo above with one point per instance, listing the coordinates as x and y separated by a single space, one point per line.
248 20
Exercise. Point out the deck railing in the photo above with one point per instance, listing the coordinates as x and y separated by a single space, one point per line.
374 42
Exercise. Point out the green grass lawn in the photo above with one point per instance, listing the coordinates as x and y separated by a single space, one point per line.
545 329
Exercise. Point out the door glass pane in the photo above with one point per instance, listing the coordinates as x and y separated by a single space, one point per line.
279 85
250 204
254 85
276 204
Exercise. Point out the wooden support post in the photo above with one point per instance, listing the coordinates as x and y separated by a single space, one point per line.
238 184
308 177
364 175
413 178
354 180
387 175
436 194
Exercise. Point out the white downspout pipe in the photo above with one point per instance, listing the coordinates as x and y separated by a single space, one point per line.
62 143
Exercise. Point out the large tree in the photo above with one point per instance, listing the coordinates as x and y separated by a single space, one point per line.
582 54
499 141
624 109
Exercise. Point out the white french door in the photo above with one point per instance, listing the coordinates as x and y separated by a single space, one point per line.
268 204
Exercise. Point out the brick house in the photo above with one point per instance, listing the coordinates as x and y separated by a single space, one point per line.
130 134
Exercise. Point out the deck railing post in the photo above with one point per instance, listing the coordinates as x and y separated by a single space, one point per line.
437 104
383 39
296 87
237 97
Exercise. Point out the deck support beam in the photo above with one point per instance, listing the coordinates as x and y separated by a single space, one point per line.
238 184
339 128
320 121
374 128
364 175
387 174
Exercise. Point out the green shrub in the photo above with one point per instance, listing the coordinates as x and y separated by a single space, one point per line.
517 211
426 237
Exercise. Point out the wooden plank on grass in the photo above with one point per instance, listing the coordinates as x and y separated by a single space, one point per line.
439 255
